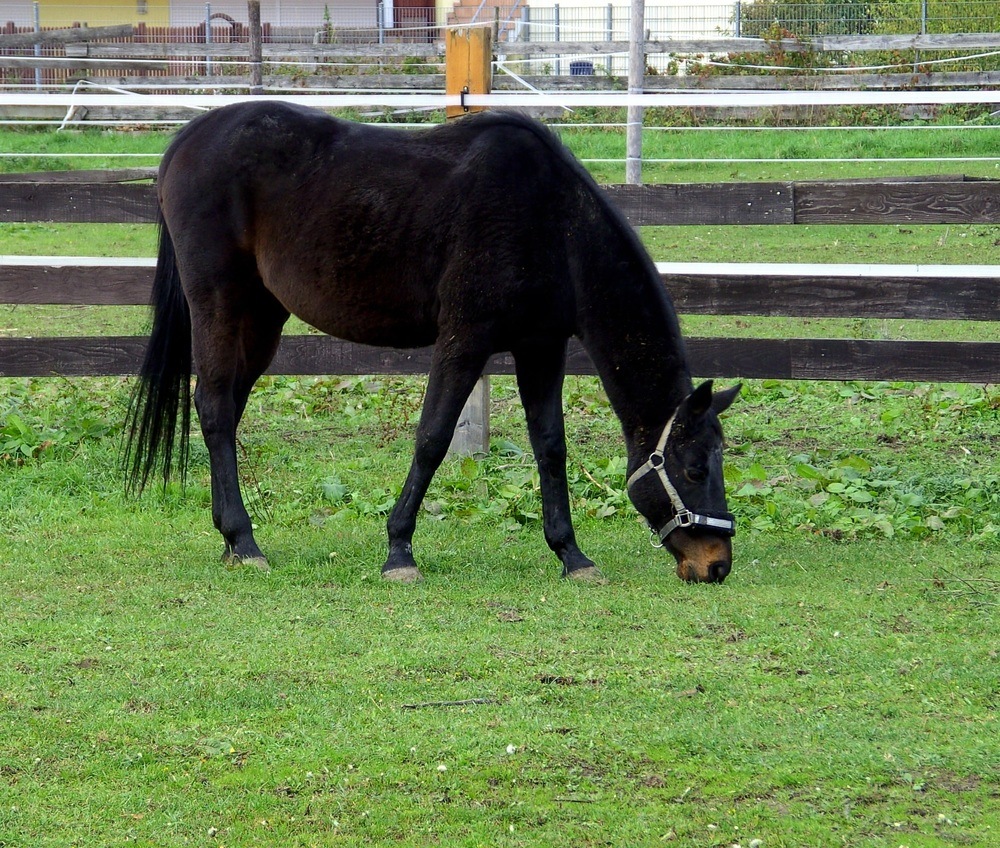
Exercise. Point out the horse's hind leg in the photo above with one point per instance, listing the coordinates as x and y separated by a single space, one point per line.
540 372
453 375
232 348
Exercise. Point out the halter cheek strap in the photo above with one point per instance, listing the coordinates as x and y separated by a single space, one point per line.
683 517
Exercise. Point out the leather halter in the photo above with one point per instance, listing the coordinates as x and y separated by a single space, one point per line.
683 517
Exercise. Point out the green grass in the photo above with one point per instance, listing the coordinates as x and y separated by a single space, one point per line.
33 149
970 151
831 691
969 148
840 688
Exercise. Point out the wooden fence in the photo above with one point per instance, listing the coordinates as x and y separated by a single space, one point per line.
968 293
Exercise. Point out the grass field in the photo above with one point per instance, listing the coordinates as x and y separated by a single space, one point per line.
841 688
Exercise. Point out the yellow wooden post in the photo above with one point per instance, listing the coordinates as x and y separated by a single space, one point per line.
468 65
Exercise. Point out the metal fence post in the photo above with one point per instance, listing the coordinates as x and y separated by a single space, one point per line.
738 20
610 31
208 37
555 19
38 46
636 77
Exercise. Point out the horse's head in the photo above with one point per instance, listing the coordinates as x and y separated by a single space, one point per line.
679 488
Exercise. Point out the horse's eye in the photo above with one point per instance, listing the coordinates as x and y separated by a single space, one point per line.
696 475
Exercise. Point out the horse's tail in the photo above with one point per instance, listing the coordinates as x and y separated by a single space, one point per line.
164 390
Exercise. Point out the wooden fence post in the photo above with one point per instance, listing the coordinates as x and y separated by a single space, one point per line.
468 65
472 432
469 69
256 73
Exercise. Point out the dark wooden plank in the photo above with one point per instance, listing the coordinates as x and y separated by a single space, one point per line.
898 203
76 285
98 356
815 296
787 359
707 203
110 203
885 202
846 359
890 201
121 175
106 356
828 296
316 354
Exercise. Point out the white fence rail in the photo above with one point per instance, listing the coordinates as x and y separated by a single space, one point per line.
423 100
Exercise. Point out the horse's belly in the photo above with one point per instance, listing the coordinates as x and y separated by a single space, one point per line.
369 312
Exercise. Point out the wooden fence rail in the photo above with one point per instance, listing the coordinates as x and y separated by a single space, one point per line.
129 197
969 293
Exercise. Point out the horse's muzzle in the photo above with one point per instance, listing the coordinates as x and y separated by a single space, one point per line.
701 558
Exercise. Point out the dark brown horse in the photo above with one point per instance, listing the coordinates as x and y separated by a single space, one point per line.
479 236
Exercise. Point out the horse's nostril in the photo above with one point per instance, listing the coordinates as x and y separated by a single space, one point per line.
718 571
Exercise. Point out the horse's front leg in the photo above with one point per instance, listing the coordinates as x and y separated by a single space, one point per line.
453 375
540 373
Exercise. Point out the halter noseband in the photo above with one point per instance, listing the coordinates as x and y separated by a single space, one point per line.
683 517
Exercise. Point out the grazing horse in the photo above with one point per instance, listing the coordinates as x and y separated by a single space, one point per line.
478 236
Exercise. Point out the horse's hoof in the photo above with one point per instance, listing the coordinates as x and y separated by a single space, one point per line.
406 574
258 562
588 574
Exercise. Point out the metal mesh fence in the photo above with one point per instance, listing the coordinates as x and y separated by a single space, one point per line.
565 22
387 21
228 19
303 21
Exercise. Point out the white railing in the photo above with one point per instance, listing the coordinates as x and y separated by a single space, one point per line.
567 99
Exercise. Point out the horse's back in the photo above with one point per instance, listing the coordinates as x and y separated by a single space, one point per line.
253 145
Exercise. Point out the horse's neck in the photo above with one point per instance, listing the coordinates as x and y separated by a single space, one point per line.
629 328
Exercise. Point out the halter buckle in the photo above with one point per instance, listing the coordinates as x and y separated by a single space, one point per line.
684 518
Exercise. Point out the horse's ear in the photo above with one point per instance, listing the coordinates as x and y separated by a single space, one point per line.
700 400
721 401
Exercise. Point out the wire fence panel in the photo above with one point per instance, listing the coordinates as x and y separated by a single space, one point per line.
402 22
227 20
734 17
219 23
